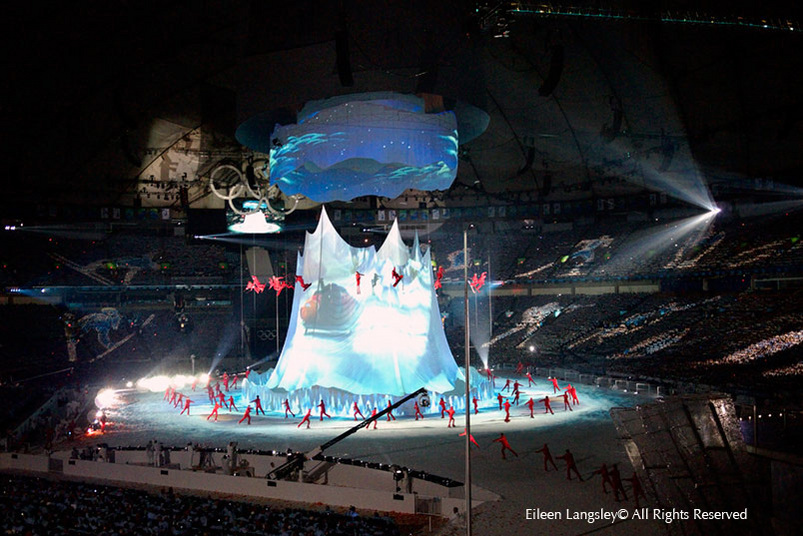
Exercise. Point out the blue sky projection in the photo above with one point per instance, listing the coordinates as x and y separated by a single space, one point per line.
341 149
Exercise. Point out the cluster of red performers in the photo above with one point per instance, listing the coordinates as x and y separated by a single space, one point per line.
322 413
610 476
274 283
220 397
278 283
514 388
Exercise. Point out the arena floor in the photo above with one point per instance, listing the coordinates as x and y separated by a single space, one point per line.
137 417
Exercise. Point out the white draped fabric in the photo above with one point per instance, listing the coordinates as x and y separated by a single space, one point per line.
379 338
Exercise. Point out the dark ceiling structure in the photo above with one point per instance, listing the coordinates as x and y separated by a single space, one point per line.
97 94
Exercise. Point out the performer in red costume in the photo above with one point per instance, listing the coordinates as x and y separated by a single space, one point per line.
481 281
356 412
501 399
287 409
573 392
530 380
474 400
357 276
471 438
305 419
246 415
450 411
531 404
516 393
322 407
616 480
606 477
547 457
396 276
570 465
258 405
247 372
373 414
300 279
276 283
187 403
555 387
225 381
438 278
505 446
442 404
566 404
255 285
507 410
231 404
547 405
178 400
507 385
389 414
519 367
418 411
637 489
214 412
477 283
222 399
233 381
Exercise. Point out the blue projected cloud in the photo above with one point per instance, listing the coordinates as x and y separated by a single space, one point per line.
369 337
370 144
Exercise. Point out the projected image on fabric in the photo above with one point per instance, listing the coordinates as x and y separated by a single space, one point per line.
367 322
369 144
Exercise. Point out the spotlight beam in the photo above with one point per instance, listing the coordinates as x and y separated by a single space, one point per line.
658 240
234 238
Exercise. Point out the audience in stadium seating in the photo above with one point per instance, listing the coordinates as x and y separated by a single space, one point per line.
725 339
38 506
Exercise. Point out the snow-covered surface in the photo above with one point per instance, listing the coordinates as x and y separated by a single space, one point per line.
430 446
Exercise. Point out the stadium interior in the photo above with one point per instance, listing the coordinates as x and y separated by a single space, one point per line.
629 178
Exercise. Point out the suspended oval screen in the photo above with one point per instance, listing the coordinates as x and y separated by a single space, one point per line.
368 144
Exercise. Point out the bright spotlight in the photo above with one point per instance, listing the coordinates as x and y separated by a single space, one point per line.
153 384
181 380
105 398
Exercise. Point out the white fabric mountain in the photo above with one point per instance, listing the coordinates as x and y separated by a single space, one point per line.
371 339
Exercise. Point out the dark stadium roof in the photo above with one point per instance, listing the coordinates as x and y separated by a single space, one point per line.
96 93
